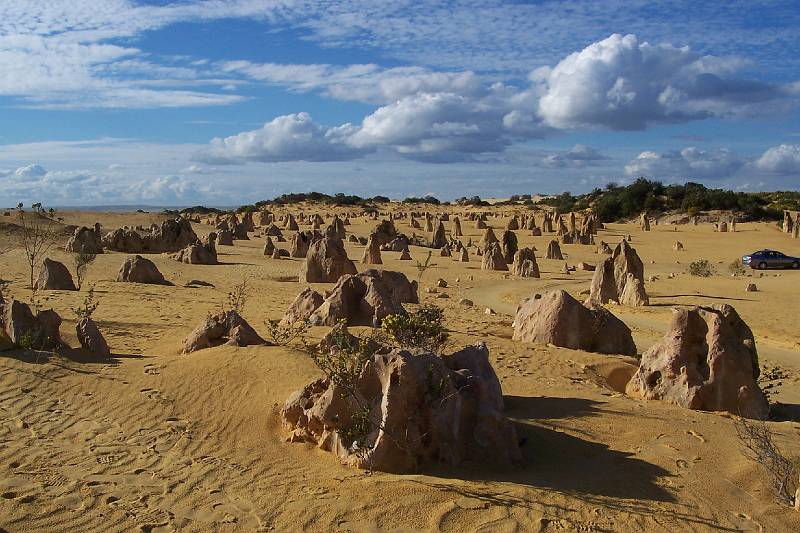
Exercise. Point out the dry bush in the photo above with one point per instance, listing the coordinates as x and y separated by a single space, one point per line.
238 295
88 306
39 233
283 334
758 445
82 261
735 268
702 268
422 267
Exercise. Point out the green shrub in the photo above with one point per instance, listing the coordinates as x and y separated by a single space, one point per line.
702 268
422 329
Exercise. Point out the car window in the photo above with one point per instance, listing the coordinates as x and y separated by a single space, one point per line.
778 254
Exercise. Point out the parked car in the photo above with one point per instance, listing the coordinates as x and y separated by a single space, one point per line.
770 259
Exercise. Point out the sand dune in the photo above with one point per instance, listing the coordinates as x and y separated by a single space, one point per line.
157 441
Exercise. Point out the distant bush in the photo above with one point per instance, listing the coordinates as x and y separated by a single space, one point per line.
616 202
735 268
423 200
317 197
473 200
702 268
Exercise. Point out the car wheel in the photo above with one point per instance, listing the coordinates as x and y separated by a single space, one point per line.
762 265
796 265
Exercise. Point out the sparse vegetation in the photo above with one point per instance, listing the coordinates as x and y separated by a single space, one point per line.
283 334
238 295
702 268
423 266
422 329
769 379
759 445
82 261
88 307
735 268
39 234
616 203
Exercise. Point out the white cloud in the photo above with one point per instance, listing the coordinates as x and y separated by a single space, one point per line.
782 159
579 156
358 82
622 84
30 171
286 138
689 163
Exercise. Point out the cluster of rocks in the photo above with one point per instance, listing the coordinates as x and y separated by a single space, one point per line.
21 328
619 278
422 408
171 236
363 299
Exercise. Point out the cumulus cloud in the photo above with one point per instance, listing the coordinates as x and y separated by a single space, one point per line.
783 159
689 163
621 83
293 137
433 127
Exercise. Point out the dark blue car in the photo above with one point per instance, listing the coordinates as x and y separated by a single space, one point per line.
763 259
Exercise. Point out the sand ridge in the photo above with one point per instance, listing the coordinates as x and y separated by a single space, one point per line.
154 440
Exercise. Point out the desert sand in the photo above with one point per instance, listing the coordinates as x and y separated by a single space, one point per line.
154 440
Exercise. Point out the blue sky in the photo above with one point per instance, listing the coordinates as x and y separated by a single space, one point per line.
226 102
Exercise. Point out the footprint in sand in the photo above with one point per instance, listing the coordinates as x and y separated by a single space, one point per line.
696 435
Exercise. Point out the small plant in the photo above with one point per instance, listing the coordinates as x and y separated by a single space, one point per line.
735 268
769 378
702 268
88 307
82 261
26 340
283 334
759 445
237 297
422 329
422 267
39 234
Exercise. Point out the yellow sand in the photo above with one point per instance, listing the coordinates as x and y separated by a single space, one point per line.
155 440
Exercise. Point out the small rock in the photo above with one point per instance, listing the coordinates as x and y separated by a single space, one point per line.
490 311
751 287
466 302
441 283
443 295
431 290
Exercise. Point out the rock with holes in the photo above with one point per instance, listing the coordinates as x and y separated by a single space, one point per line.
366 299
225 327
137 269
524 264
707 360
91 338
326 262
54 276
422 409
559 319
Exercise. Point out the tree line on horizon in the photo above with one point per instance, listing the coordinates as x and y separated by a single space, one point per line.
612 203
